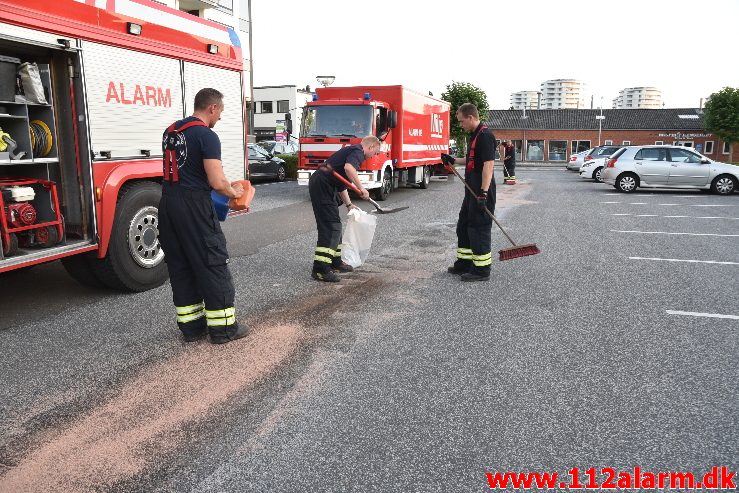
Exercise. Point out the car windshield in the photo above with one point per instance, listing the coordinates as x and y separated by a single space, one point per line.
257 151
268 145
337 121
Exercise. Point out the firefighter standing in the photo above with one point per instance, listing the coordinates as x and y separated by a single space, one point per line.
474 256
189 231
323 188
508 155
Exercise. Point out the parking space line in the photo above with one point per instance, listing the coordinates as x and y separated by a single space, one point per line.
684 260
668 233
672 217
671 204
697 314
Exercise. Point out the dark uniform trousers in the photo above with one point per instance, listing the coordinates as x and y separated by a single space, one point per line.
324 199
197 260
510 169
474 230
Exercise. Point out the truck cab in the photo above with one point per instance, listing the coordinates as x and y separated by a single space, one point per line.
403 120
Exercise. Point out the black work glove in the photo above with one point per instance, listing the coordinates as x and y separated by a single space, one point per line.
447 159
482 200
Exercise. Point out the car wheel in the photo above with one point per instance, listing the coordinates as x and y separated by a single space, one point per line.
135 259
426 177
627 182
724 185
281 173
597 173
386 187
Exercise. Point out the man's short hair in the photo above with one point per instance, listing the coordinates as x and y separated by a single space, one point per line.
206 97
469 109
370 141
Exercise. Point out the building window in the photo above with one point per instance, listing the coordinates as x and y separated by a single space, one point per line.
709 147
227 5
535 150
608 143
580 146
557 150
727 148
265 107
659 142
626 143
283 106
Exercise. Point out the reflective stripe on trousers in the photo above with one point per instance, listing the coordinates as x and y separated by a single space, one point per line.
189 313
217 318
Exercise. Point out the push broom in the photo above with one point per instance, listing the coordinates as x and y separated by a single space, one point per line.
515 251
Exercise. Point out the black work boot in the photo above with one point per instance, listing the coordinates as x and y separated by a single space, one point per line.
473 276
228 334
461 266
325 275
341 267
192 336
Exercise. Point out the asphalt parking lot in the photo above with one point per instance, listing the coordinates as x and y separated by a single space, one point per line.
614 347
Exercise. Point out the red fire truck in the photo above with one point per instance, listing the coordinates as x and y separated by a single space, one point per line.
413 128
80 175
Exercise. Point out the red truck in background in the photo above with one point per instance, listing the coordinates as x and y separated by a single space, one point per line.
413 128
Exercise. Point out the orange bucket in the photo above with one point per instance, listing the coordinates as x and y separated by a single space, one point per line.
243 202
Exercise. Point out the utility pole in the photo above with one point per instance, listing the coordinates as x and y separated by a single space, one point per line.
600 119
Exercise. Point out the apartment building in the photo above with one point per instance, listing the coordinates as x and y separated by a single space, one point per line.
638 97
559 94
525 99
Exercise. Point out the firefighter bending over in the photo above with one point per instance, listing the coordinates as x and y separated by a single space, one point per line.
323 188
189 231
474 256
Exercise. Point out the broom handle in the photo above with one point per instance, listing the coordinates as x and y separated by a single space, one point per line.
354 187
492 216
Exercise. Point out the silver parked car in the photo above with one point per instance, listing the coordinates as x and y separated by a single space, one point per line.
668 167
576 160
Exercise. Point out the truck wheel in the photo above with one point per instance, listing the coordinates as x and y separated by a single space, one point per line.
386 187
80 269
12 248
426 177
135 259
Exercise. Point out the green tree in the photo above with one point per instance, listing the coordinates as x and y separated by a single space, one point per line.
722 114
456 94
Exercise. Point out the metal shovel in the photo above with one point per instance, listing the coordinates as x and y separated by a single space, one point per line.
379 209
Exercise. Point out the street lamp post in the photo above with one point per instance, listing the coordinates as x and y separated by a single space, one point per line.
600 119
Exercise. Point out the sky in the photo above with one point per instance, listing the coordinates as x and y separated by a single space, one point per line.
685 48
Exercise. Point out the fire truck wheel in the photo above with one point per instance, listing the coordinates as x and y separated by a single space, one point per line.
135 259
387 186
80 269
12 248
426 179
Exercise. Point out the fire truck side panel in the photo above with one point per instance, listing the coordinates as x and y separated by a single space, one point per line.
131 98
32 35
231 127
425 129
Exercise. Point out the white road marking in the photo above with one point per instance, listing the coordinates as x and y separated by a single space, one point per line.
673 217
684 260
671 204
638 203
708 315
667 233
610 202
714 205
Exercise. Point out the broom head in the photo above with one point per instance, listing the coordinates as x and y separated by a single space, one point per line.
518 251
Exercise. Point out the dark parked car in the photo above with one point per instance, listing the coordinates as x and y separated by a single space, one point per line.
263 164
279 148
